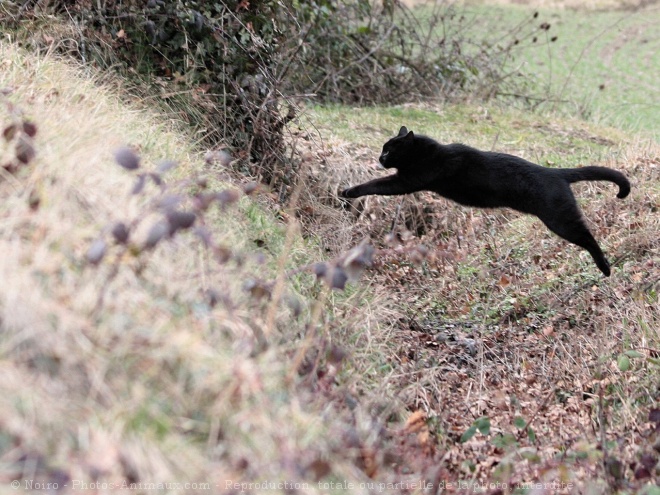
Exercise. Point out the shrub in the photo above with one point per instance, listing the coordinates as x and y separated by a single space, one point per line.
235 68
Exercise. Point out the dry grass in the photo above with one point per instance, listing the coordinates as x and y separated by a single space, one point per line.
160 387
156 385
506 320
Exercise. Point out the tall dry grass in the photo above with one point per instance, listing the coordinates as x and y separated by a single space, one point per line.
159 386
154 384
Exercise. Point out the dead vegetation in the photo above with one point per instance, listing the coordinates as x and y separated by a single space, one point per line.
496 356
158 361
502 324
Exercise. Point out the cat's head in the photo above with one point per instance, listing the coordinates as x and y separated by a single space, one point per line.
397 149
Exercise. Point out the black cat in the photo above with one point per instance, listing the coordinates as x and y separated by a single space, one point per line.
486 179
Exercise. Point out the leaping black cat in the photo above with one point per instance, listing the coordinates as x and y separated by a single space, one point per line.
490 180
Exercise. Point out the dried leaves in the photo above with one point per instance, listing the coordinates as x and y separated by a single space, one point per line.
171 208
157 232
10 132
258 289
127 158
347 267
182 206
179 220
120 233
19 135
335 274
25 152
173 218
96 252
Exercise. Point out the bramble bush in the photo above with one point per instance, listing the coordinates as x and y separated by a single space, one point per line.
237 69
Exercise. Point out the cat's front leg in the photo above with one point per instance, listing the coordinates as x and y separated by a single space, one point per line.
385 186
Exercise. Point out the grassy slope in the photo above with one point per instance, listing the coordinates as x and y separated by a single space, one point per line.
156 386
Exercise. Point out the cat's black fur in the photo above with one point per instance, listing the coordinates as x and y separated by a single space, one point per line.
490 180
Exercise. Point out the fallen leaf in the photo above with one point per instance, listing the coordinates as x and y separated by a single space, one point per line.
415 422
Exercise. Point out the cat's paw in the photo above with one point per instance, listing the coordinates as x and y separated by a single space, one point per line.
346 193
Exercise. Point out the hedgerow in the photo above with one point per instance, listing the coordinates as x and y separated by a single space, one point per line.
238 69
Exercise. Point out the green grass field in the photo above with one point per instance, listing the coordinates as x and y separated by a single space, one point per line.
604 65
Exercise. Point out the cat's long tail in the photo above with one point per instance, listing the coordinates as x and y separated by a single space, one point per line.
597 173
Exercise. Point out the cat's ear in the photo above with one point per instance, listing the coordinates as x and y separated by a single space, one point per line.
409 137
403 131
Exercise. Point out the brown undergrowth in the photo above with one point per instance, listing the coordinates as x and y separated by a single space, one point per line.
497 334
503 324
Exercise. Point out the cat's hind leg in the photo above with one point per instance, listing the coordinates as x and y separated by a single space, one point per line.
568 223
